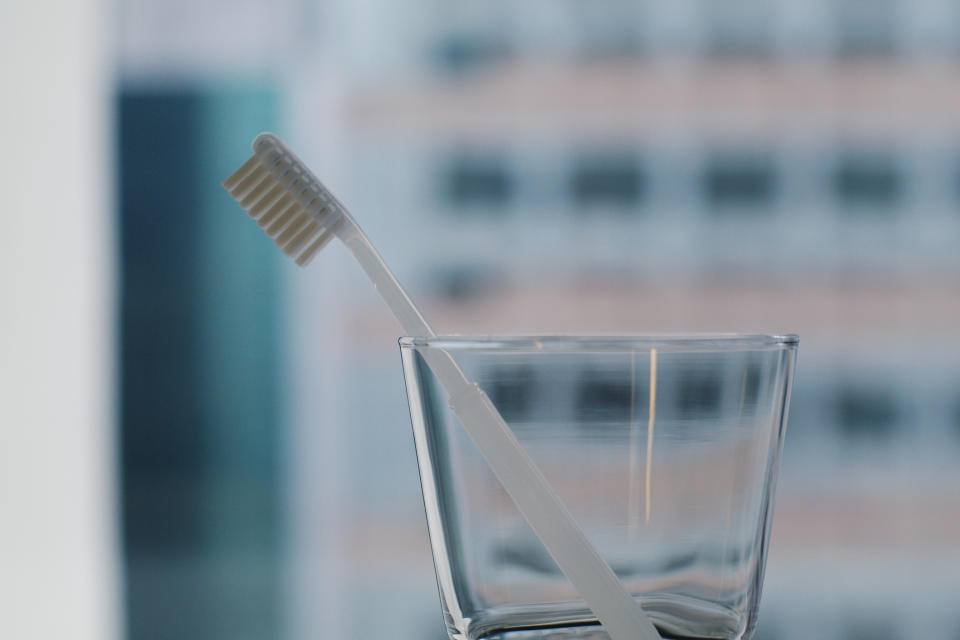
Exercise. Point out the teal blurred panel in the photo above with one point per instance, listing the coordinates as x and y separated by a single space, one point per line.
240 280
201 362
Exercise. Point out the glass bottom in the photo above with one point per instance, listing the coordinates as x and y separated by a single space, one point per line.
590 632
676 618
585 632
582 632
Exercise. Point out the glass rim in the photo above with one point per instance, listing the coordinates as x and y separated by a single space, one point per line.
605 342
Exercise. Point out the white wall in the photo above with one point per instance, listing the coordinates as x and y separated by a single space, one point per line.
58 539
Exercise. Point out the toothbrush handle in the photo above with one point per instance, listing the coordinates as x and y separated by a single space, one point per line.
620 614
443 365
383 281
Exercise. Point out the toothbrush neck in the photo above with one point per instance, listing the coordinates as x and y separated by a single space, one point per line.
383 280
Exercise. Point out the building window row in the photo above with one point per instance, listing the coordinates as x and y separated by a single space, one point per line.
860 412
741 28
727 182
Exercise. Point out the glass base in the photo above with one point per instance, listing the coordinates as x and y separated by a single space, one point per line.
675 619
580 632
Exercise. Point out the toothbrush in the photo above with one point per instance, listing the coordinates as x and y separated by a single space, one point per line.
294 209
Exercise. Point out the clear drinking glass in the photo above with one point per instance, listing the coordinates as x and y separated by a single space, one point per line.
664 449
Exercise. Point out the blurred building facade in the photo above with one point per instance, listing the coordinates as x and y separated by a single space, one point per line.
622 167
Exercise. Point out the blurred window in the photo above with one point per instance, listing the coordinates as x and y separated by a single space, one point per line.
866 28
608 30
612 179
698 393
866 412
956 417
739 181
461 53
511 390
461 283
730 43
623 45
608 400
868 180
738 29
483 181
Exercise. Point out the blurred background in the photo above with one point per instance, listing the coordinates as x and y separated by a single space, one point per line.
201 441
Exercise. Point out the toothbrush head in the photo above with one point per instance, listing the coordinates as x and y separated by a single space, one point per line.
286 199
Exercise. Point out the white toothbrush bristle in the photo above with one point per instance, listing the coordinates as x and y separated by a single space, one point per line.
292 229
279 207
266 202
255 195
286 201
252 180
282 221
302 238
234 178
314 248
